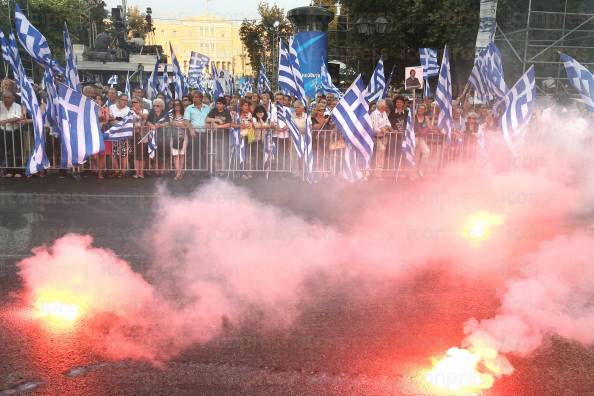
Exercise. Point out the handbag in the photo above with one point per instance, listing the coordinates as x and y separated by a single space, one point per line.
251 135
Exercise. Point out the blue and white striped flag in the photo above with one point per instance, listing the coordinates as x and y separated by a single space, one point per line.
286 83
269 146
408 142
487 75
7 54
389 82
351 116
237 141
429 62
263 81
443 96
518 106
152 87
326 84
284 115
245 86
152 144
351 169
71 75
198 62
34 42
581 79
377 83
427 89
122 130
296 70
52 109
113 80
164 85
179 79
217 86
38 160
81 130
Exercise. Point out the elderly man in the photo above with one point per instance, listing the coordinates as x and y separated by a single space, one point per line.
10 134
112 97
381 127
195 118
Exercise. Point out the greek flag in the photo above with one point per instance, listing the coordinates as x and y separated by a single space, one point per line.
218 88
263 81
389 82
518 105
351 115
152 137
71 75
7 53
429 62
245 86
284 115
81 131
269 146
351 169
52 109
486 77
113 80
427 89
178 77
308 146
286 83
582 80
10 53
443 96
237 141
408 143
197 64
326 84
164 85
152 88
377 83
34 42
296 71
122 130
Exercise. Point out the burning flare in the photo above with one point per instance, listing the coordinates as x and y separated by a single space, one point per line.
479 227
59 309
458 372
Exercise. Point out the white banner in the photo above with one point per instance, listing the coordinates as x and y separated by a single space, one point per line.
488 24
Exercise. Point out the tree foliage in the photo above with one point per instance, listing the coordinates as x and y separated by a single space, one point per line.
137 24
258 37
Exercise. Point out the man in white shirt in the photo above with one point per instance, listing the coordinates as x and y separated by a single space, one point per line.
281 135
381 126
10 134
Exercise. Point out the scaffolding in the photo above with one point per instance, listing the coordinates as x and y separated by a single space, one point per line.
536 35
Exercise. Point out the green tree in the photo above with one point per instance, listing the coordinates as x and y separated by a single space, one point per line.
258 37
137 25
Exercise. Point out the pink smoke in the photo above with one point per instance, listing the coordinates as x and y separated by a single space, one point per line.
220 257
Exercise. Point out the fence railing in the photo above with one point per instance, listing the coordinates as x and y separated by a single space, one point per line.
212 151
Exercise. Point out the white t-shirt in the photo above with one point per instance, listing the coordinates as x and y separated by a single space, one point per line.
6 114
116 112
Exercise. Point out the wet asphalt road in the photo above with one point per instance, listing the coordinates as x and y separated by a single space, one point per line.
366 345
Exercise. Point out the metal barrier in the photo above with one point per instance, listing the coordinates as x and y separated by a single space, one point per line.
211 150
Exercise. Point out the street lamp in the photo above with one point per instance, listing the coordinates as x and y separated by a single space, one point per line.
381 24
362 26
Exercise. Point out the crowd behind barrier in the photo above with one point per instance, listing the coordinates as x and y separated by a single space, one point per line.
193 135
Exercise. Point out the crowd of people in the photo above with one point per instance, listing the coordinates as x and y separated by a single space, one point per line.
182 126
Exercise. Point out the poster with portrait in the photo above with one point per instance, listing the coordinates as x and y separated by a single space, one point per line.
413 78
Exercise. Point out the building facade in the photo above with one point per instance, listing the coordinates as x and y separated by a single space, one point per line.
212 36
